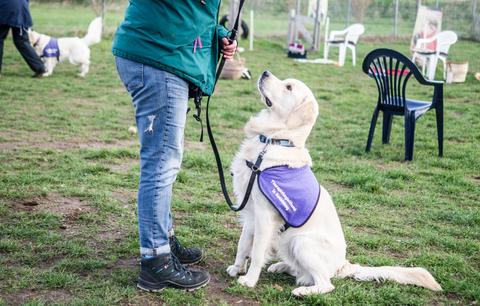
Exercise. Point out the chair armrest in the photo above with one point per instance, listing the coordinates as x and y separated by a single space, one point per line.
430 83
333 34
435 83
423 41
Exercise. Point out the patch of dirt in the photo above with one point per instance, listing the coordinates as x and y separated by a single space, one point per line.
216 292
145 299
57 296
68 208
219 281
396 255
63 145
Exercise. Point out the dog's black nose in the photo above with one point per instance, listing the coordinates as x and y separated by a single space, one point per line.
266 74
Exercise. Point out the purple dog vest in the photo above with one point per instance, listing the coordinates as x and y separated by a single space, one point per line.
51 49
294 192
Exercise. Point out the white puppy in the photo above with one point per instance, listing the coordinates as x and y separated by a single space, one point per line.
316 251
75 49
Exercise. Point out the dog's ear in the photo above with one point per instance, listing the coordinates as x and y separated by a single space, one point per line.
304 114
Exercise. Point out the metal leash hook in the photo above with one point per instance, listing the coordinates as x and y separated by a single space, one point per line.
198 106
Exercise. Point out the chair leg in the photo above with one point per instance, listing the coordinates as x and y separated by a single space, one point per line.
444 68
341 55
387 127
372 130
439 115
424 63
325 51
432 67
409 134
353 56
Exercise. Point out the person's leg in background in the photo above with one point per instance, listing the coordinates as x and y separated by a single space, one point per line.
160 101
22 43
3 34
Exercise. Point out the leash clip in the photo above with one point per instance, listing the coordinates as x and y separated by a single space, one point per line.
268 141
254 168
197 99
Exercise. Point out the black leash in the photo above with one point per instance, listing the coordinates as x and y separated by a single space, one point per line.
256 166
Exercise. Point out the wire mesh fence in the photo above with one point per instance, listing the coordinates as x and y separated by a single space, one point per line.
393 19
382 18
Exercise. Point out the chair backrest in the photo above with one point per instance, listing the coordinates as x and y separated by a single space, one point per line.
391 71
353 32
444 40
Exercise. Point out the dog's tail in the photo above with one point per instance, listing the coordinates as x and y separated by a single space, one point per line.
94 33
411 276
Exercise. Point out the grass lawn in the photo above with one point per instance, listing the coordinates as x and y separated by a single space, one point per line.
69 171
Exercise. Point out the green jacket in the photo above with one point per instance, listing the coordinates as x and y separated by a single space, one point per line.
163 34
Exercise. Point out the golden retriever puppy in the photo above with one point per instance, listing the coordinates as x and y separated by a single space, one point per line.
314 250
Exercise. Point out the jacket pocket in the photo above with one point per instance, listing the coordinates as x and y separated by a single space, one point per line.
130 72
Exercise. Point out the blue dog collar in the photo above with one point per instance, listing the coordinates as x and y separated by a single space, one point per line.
282 142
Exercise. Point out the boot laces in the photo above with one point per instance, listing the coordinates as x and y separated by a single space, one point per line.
178 248
178 266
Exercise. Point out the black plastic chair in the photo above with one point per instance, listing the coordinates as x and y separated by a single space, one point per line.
391 71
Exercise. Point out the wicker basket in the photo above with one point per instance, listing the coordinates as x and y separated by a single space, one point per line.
456 72
233 68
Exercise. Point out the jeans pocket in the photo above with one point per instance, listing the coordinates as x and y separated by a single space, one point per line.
130 72
177 88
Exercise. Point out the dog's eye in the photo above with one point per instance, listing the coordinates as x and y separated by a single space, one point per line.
289 87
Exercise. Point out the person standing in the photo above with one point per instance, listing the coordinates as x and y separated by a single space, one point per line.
15 15
162 49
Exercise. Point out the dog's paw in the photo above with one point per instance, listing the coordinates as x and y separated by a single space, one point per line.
305 280
233 270
246 281
310 290
278 267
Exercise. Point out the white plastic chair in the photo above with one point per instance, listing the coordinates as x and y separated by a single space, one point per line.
343 39
425 56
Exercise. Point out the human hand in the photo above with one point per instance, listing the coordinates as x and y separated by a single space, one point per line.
228 48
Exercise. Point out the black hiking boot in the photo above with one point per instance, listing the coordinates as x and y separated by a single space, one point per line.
166 271
187 256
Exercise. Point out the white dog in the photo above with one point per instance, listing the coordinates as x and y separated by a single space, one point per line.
75 49
316 251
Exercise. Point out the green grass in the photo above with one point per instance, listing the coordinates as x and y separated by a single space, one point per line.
69 171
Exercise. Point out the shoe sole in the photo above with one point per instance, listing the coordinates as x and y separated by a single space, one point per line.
170 285
183 263
193 262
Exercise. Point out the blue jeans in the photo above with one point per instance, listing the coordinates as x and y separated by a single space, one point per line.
160 100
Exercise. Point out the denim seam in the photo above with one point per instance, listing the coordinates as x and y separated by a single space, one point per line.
162 153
